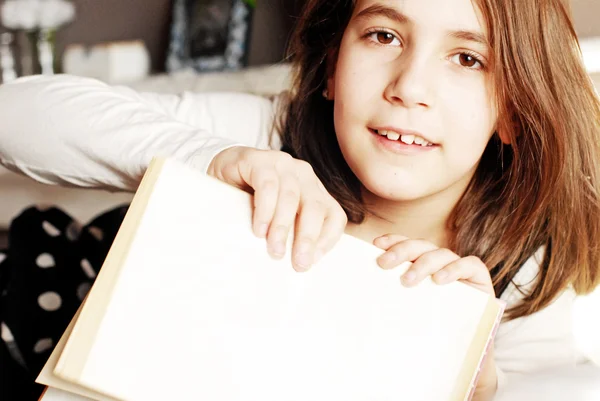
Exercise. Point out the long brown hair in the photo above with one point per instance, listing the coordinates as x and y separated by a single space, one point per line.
541 190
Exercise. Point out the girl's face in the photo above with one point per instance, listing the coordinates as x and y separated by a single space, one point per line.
413 105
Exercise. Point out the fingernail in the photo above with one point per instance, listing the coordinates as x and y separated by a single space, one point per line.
387 259
303 261
262 230
441 276
278 249
382 242
318 255
409 277
278 241
302 257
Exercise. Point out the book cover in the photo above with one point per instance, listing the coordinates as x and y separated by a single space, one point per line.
188 305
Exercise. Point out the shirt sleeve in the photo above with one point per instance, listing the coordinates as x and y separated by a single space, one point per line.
81 132
541 341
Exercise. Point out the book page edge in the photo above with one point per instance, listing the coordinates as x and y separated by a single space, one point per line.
47 378
72 360
474 358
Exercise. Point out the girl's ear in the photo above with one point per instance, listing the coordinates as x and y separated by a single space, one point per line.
508 130
504 137
329 91
508 133
331 60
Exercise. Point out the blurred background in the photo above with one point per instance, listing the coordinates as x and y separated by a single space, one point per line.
157 24
150 20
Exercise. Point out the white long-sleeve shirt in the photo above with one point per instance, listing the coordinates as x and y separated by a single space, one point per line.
81 132
76 131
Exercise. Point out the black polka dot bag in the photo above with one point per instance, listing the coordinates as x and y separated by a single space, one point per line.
46 271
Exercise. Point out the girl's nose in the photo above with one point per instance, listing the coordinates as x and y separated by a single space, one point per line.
410 82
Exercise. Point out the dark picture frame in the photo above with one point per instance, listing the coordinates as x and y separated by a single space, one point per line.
209 35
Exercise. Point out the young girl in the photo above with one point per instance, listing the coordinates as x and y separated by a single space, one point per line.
460 135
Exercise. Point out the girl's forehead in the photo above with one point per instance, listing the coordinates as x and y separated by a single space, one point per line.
445 15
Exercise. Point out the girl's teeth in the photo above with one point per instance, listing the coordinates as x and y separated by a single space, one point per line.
407 139
393 136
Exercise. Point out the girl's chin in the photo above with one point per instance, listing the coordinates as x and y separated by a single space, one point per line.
382 191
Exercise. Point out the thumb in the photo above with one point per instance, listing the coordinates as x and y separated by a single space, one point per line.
228 166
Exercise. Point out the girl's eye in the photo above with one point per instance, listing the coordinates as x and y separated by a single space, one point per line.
384 38
468 60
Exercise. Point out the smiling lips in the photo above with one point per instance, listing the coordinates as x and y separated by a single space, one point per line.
408 139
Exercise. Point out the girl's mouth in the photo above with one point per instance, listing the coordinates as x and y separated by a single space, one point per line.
408 139
405 145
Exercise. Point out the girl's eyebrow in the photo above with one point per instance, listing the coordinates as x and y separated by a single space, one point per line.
469 36
380 10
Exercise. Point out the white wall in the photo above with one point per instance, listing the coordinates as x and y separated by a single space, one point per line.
586 14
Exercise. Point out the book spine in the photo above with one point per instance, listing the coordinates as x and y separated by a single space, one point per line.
486 352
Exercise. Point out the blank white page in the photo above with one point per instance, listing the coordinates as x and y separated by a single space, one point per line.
201 312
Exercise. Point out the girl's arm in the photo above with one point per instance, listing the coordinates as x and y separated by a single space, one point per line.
537 342
81 132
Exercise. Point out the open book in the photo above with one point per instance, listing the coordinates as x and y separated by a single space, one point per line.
189 306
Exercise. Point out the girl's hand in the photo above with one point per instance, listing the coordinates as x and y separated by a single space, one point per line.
445 267
429 260
286 192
